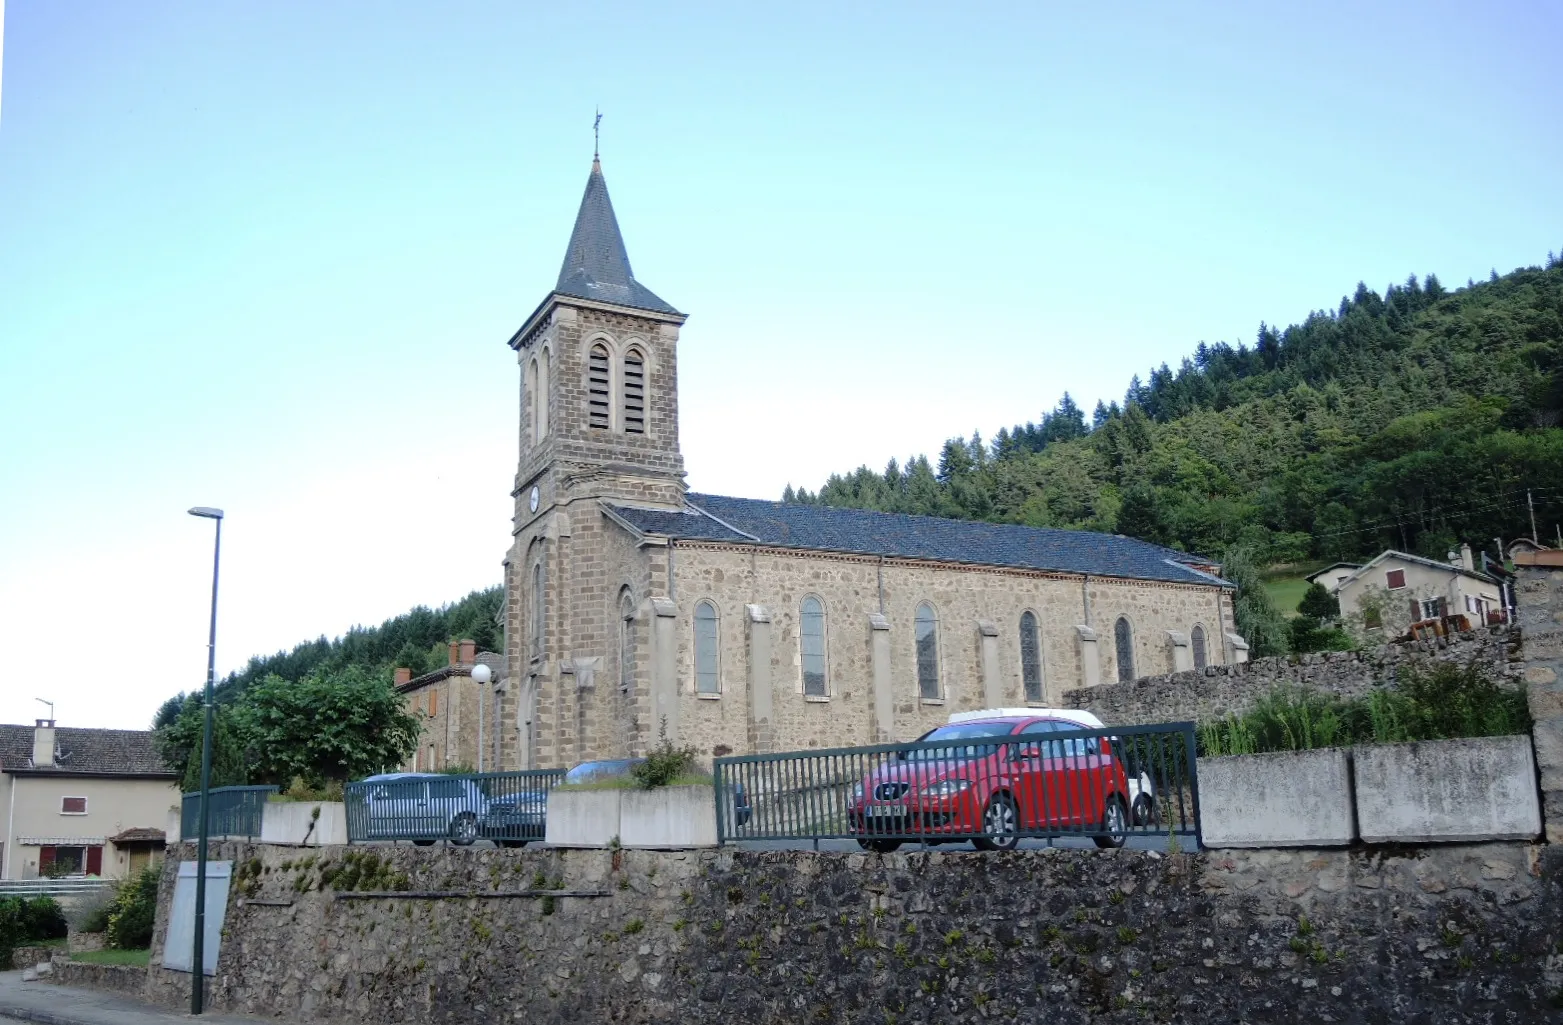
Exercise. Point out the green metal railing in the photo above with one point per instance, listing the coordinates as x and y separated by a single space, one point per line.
1109 784
509 808
230 811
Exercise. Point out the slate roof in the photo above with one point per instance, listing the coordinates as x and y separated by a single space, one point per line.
827 529
597 266
84 752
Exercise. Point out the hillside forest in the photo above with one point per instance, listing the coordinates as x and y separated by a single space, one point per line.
1415 420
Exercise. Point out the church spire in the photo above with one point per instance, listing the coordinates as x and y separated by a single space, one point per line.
596 265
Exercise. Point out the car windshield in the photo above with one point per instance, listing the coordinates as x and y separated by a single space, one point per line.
594 772
962 731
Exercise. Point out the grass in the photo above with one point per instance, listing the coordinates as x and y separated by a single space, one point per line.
1286 592
631 783
136 958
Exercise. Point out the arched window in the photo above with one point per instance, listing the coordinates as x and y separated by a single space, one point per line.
597 392
811 640
626 642
1123 643
634 391
539 611
707 678
1030 657
1197 641
927 635
544 373
537 402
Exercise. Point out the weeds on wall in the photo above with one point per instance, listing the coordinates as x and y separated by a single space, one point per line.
1439 702
665 764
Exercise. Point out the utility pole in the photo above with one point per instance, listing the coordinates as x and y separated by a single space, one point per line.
1532 505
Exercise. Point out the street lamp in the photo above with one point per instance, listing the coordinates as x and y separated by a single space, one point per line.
481 675
198 955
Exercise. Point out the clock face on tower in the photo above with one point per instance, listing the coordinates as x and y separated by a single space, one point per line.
532 498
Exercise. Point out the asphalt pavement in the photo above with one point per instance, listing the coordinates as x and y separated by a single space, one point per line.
45 1003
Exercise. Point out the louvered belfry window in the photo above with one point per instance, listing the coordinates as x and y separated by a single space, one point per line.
597 388
634 393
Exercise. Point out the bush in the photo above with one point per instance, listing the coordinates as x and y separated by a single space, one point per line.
1440 702
91 913
300 790
665 764
132 911
42 919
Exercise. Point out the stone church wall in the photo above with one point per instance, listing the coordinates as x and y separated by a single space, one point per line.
1232 689
1447 934
850 587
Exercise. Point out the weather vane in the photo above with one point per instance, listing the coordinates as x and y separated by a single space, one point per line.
596 136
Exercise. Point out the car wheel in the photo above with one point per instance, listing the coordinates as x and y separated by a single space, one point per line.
1115 824
1000 826
423 843
880 846
464 829
1144 811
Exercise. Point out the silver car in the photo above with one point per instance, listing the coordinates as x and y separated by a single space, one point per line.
424 807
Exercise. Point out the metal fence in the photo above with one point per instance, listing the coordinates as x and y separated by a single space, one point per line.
230 811
509 808
1110 784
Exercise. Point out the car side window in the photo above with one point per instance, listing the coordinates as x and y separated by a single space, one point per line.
443 789
1032 745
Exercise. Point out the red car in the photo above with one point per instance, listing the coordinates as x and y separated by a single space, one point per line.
992 782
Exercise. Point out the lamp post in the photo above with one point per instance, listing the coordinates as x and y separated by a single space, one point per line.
481 675
198 954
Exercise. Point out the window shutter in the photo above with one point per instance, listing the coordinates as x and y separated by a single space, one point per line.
94 861
1443 607
597 388
45 860
634 394
1416 611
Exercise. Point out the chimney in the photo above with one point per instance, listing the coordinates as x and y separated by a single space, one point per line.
403 675
1465 557
43 744
468 652
455 652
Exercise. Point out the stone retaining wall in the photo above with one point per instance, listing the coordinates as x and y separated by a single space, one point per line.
27 956
1454 934
1217 691
127 980
1539 590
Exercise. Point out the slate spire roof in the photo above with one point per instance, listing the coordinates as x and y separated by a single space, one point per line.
858 531
597 266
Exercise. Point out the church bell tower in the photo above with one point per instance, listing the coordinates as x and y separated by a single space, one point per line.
599 427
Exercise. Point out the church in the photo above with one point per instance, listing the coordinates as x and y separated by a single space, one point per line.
635 609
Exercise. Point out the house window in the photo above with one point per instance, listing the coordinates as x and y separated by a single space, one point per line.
634 392
1395 579
1123 643
811 640
926 632
626 643
597 392
1372 617
434 703
1030 657
73 806
1197 642
55 862
707 678
1432 608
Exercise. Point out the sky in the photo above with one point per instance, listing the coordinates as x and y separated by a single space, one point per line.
266 257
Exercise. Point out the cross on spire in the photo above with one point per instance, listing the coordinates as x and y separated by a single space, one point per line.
596 136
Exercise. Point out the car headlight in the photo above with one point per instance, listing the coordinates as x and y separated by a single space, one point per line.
947 788
857 792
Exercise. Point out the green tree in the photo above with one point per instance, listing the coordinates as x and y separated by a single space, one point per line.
327 727
178 742
1258 620
1140 515
1318 604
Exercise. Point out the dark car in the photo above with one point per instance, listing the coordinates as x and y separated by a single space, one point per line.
514 820
993 781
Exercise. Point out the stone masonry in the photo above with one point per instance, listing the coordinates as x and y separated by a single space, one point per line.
1443 935
1232 689
1539 592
